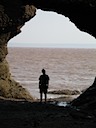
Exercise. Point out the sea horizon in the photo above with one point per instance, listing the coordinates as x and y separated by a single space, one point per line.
52 45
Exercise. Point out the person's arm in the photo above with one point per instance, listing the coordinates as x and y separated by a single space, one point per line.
47 81
39 82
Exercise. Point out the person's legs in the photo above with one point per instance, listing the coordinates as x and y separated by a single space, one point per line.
45 97
40 97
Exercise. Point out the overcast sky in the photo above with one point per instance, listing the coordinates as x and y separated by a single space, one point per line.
49 29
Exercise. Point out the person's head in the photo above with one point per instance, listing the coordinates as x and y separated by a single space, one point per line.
43 71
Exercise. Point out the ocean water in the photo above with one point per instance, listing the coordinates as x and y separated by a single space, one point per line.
73 69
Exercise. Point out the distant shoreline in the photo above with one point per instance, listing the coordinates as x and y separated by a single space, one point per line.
52 47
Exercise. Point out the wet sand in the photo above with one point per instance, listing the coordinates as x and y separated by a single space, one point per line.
24 114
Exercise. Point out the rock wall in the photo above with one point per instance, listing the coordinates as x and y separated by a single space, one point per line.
87 100
80 12
14 14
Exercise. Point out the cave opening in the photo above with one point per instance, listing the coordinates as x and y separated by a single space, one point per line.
44 40
49 29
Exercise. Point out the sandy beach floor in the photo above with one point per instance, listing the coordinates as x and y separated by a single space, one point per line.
24 114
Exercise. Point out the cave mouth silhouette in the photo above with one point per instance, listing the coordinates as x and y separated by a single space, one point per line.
50 17
49 29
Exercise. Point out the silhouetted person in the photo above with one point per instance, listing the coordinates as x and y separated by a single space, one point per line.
43 84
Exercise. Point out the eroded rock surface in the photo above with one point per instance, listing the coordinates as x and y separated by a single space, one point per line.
13 15
80 12
87 100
